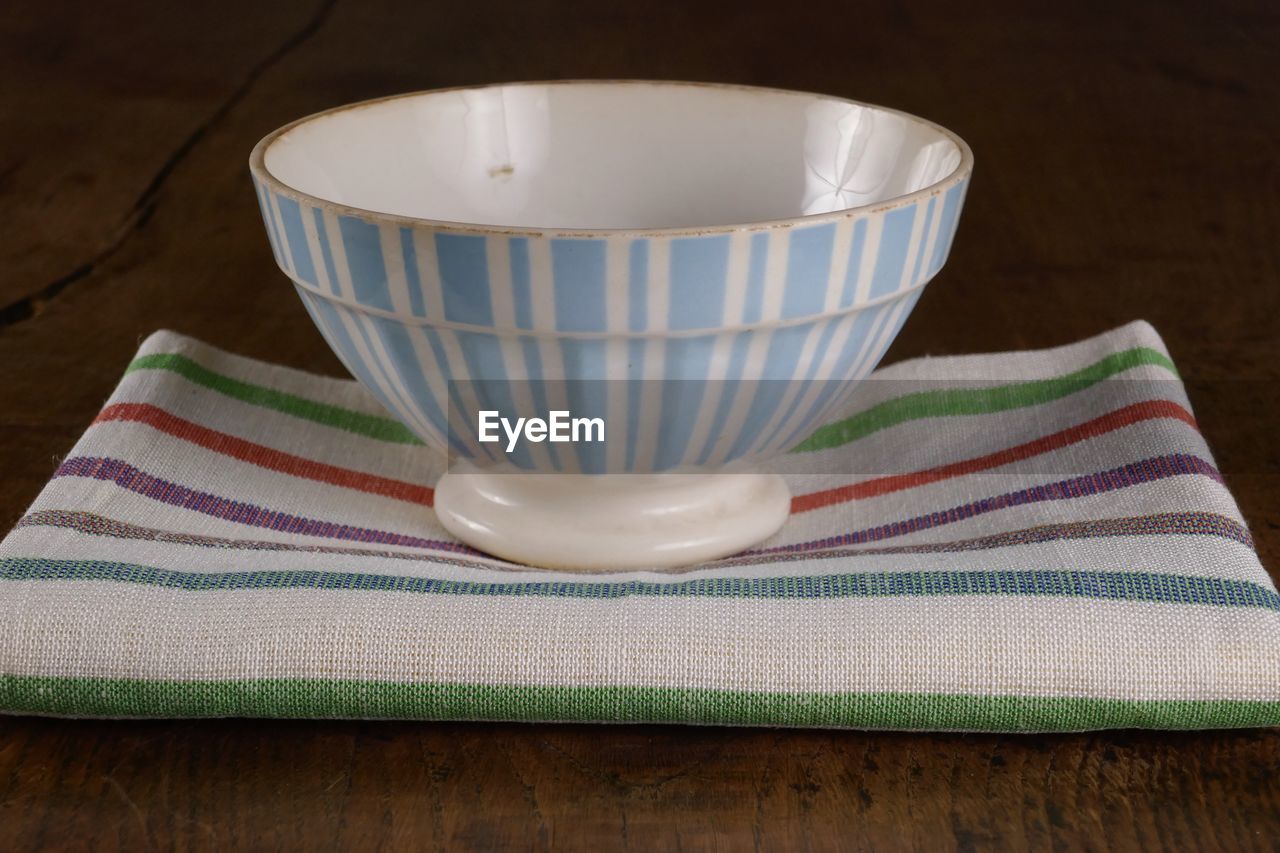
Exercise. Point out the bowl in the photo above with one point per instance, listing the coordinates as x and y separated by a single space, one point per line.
700 271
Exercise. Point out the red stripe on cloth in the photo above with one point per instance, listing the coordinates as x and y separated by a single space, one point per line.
1126 416
265 457
1134 474
287 463
126 476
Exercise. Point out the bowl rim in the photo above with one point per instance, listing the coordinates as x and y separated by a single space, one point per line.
258 168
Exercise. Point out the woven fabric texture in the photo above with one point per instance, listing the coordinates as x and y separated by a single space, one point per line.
1034 541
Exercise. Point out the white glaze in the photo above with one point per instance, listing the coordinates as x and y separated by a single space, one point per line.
609 522
611 155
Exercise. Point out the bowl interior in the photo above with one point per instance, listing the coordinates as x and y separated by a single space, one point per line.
610 155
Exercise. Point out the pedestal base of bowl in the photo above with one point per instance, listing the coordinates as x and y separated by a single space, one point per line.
608 522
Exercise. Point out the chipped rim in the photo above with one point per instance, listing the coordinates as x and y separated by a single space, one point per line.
258 168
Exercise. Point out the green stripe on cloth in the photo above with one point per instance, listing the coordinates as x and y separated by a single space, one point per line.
978 401
370 426
321 698
1101 585
926 404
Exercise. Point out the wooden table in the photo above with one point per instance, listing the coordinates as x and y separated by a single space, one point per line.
1128 166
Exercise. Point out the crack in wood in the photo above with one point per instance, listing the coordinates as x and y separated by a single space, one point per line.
144 206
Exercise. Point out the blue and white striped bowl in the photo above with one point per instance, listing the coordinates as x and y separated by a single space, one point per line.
701 345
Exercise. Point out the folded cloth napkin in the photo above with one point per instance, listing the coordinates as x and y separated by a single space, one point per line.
1042 543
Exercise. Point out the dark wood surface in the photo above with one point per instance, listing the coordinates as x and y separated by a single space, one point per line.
1128 166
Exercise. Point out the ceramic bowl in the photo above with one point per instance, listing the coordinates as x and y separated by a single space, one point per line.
706 268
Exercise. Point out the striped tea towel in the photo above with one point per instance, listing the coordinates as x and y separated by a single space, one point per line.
1042 543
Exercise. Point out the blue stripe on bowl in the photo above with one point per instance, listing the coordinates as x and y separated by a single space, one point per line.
688 366
587 395
951 206
538 389
413 280
786 345
398 339
454 403
362 243
891 255
637 286
753 310
578 270
697 271
488 383
299 246
464 279
857 246
808 270
635 371
269 221
393 360
860 326
400 362
329 318
699 268
808 372
326 253
521 287
738 350
924 241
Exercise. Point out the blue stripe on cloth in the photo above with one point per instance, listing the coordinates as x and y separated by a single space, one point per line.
1103 585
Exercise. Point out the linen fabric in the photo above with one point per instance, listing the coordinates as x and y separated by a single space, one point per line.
1032 541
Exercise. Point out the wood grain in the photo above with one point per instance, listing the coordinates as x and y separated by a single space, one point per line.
1127 166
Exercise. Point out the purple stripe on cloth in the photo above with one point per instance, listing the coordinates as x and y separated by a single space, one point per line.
1163 524
131 478
128 477
1133 474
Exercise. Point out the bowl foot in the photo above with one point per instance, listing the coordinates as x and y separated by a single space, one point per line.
609 522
